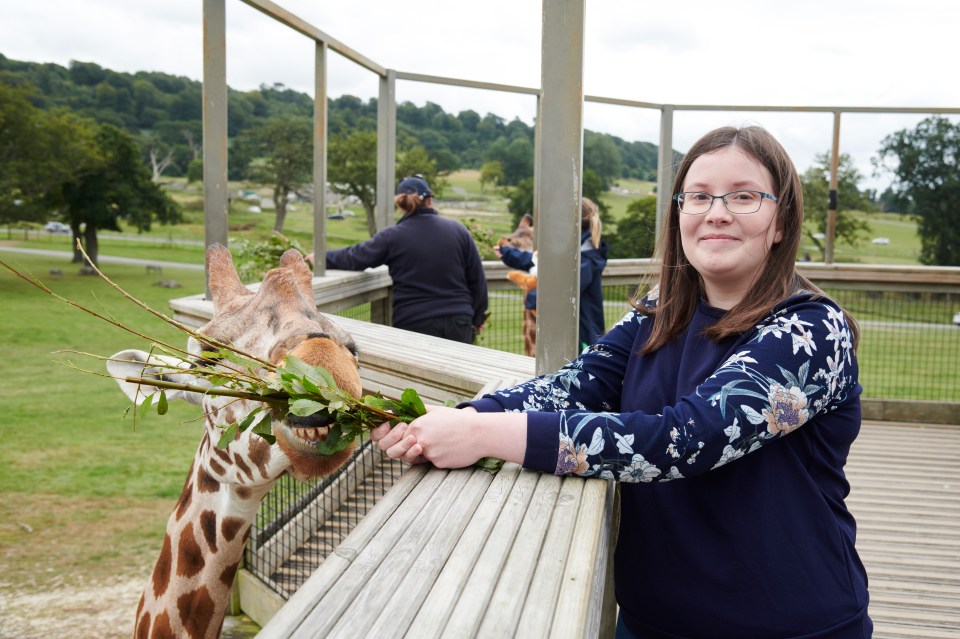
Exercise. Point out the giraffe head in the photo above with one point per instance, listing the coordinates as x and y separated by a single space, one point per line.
522 236
277 319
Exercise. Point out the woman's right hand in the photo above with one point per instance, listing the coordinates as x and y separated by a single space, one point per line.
398 443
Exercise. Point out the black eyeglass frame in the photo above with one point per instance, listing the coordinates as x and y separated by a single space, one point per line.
723 198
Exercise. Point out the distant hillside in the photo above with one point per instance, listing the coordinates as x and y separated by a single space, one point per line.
165 111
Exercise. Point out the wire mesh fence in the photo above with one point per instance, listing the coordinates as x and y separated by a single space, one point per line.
300 523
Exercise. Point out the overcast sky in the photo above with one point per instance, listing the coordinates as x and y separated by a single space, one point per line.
736 52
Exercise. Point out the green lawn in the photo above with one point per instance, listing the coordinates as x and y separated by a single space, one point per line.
85 493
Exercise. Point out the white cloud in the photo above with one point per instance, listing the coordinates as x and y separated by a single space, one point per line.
739 52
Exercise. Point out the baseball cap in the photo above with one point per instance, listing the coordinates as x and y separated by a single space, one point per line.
414 184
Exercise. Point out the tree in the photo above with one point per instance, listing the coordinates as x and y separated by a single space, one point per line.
118 188
521 200
159 154
515 156
593 188
283 158
352 162
39 152
352 170
926 174
521 197
600 154
491 173
637 231
816 191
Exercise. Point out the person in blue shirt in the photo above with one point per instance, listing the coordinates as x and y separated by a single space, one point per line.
593 259
725 402
439 287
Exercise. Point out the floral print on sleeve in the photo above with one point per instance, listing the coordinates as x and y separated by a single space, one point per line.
798 364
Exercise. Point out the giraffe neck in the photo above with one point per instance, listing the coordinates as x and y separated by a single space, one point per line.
189 591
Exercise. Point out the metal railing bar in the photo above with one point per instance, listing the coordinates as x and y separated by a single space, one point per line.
472 84
300 25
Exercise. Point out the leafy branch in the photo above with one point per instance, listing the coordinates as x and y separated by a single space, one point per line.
293 388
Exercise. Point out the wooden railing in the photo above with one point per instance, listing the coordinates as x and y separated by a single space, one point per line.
452 553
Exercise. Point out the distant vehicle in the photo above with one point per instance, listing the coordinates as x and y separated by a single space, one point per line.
820 236
956 319
56 227
881 240
334 216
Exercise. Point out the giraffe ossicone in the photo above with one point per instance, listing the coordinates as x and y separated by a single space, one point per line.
188 592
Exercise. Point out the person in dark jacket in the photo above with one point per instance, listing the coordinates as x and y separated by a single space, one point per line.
593 259
725 403
439 287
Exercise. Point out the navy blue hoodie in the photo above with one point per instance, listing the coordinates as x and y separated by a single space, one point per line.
434 263
730 456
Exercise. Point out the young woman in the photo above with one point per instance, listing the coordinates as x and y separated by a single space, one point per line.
439 287
725 403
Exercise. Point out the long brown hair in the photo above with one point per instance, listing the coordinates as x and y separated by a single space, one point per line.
680 286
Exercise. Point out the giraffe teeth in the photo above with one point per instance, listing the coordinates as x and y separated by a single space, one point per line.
310 434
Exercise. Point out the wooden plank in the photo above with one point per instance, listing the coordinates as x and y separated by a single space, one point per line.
468 612
577 594
548 576
358 574
395 618
285 623
401 557
435 610
508 599
905 491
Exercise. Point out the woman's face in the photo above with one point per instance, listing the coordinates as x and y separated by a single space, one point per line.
728 250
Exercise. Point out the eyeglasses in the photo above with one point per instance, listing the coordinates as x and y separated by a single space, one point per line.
737 202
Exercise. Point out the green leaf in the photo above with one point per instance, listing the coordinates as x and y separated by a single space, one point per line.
379 402
335 442
228 435
316 374
245 423
490 464
162 405
146 406
264 429
304 407
412 399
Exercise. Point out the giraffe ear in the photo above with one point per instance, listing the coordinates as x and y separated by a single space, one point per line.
225 284
134 364
293 260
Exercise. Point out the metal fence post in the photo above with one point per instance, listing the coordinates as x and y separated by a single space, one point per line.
386 148
832 201
215 198
664 167
560 152
320 161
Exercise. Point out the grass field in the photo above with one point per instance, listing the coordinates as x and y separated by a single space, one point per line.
85 494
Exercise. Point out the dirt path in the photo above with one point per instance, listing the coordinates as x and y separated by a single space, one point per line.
86 611
83 611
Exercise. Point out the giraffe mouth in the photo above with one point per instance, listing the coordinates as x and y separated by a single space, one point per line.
312 428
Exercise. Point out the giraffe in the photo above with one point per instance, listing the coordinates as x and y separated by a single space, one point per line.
188 592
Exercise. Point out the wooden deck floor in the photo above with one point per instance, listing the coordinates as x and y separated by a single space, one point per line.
905 494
